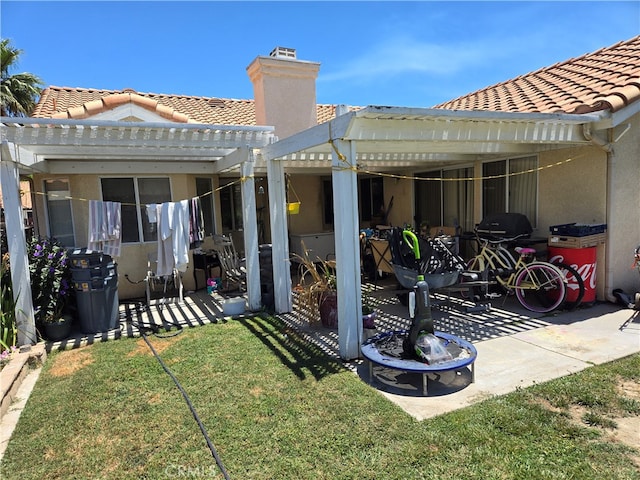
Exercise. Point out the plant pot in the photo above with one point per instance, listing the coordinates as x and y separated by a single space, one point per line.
368 320
58 330
328 307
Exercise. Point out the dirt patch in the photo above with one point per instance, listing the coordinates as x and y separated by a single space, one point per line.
159 345
256 392
626 429
71 361
629 427
629 389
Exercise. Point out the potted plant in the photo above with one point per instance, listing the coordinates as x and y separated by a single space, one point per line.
316 289
50 286
369 315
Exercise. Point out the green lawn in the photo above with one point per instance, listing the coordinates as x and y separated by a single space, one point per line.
277 408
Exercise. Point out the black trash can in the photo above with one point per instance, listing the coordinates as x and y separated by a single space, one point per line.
95 281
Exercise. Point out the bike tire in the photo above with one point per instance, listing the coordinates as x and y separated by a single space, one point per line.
573 277
549 295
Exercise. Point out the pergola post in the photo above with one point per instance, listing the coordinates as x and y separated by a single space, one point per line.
21 284
247 187
280 234
347 248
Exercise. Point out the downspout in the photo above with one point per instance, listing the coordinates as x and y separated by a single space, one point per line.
607 147
598 142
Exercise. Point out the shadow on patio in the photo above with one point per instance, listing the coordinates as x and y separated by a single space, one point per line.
197 309
506 317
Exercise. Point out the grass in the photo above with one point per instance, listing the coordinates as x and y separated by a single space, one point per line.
277 408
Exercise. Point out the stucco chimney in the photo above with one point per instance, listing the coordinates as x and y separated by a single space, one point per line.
284 91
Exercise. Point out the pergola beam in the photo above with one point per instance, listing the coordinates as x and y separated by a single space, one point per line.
139 167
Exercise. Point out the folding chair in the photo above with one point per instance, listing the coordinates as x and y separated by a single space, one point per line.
162 288
233 267
382 257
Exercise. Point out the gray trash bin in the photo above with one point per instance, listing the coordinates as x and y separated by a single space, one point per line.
95 281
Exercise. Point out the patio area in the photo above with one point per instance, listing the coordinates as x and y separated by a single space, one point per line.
505 317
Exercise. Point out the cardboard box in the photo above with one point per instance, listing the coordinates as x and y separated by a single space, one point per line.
577 242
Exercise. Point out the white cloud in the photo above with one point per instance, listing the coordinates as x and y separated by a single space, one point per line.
404 55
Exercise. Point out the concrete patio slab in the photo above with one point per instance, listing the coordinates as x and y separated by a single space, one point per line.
574 341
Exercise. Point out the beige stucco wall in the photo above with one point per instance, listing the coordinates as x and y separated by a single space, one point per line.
573 191
623 234
402 192
308 191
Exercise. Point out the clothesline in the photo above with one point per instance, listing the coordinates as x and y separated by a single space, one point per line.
81 199
357 169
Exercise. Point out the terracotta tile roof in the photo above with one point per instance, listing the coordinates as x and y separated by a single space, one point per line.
606 79
79 103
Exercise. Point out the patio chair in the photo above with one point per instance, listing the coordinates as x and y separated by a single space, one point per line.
233 267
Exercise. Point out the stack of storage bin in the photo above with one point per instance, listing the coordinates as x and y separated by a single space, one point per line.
95 281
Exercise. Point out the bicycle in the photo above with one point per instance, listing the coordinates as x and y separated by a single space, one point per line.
539 286
574 284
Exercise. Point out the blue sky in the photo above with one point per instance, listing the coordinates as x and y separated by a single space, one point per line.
370 53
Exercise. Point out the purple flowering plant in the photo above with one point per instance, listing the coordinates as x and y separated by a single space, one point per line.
50 278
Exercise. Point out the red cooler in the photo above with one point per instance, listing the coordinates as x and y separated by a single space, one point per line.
584 260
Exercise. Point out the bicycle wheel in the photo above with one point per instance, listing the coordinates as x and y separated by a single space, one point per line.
540 287
574 285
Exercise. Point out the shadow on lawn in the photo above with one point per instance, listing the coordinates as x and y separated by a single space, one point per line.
300 356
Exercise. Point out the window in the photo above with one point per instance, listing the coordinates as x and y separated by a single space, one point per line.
204 190
327 204
515 192
58 207
446 198
135 194
370 200
231 207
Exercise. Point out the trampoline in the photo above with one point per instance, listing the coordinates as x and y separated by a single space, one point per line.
385 349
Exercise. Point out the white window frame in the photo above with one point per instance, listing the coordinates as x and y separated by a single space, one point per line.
139 206
532 218
58 196
463 223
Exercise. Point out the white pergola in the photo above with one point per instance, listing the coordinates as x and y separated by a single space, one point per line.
35 145
397 139
389 139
